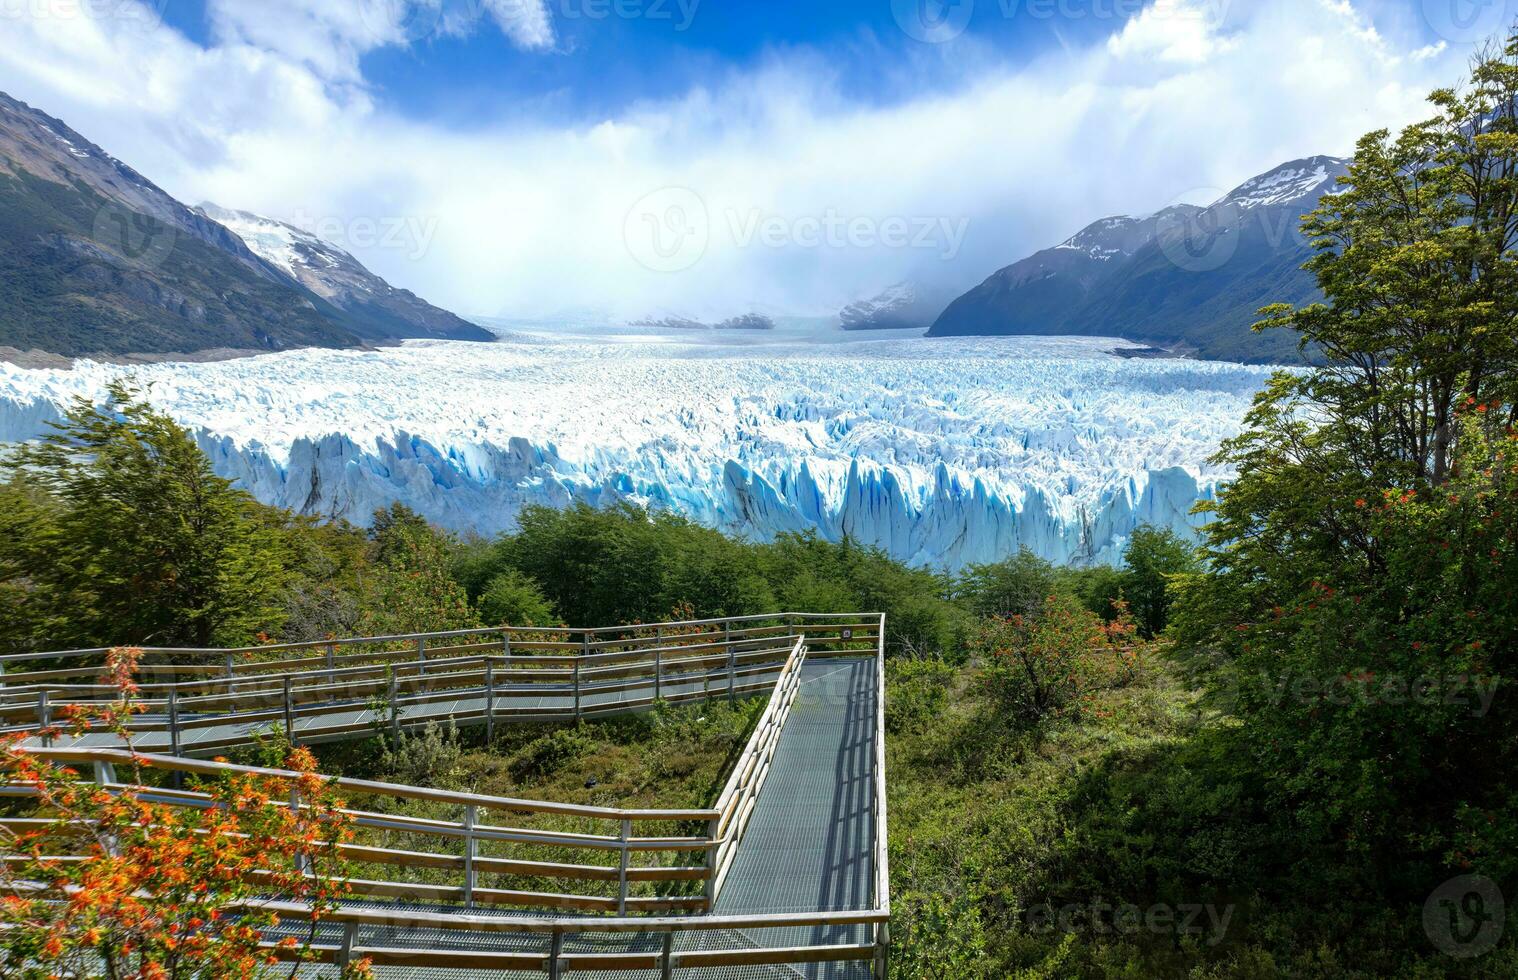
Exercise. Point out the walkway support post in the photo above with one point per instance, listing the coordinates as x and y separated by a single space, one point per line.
577 690
555 952
289 713
732 663
44 716
350 939
174 721
471 851
395 708
666 966
489 700
626 835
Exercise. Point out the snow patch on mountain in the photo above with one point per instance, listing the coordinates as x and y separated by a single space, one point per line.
942 453
1290 182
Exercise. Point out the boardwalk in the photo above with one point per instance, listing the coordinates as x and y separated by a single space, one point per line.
795 874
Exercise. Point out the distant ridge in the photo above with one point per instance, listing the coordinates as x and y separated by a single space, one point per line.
1189 279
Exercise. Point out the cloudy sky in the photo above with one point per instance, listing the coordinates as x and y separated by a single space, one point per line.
521 157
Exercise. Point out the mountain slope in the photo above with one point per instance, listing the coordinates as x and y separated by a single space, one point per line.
1036 295
378 309
904 306
95 259
1193 280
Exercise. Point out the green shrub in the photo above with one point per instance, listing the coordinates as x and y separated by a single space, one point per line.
549 753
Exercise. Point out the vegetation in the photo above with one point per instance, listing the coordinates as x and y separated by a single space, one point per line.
167 893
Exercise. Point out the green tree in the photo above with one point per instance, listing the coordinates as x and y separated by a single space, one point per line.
1153 560
1361 563
412 588
1017 586
117 531
513 599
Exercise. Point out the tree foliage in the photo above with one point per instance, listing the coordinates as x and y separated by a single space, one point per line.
1352 604
117 530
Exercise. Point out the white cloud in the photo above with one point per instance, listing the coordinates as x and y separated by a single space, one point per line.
275 117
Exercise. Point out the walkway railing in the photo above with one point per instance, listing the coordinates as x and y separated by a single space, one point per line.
204 701
655 890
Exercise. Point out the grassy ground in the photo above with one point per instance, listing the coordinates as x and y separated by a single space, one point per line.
1084 849
672 758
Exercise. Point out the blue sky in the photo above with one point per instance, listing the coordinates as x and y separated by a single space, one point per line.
608 54
826 150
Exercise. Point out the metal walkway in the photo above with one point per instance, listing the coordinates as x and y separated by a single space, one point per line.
810 845
795 869
809 848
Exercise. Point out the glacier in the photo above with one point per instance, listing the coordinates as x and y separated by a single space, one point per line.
943 453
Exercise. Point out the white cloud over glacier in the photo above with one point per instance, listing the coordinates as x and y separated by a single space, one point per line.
528 210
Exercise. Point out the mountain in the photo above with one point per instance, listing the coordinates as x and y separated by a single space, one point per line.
904 306
1188 279
378 309
96 259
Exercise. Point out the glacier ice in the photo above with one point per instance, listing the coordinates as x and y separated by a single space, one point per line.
943 452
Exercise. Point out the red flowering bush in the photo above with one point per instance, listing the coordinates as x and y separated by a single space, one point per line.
1050 663
104 882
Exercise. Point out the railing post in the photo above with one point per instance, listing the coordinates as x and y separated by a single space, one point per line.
732 664
173 721
395 708
302 861
289 713
666 962
350 939
331 656
505 643
622 868
555 951
882 950
105 772
658 675
709 890
44 716
471 848
577 690
421 656
489 700
231 672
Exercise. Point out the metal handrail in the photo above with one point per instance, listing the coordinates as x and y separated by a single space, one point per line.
725 821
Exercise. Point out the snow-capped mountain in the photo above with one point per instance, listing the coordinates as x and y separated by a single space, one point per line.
904 306
1038 294
1186 278
340 279
96 259
941 452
